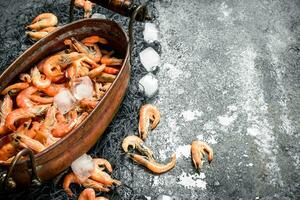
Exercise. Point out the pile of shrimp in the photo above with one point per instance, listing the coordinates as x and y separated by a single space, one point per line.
30 116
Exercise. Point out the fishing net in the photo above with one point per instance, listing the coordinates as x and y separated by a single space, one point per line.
15 15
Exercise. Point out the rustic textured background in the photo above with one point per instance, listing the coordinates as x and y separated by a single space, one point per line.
230 76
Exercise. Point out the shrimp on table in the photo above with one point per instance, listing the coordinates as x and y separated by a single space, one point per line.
148 113
5 109
43 20
86 5
199 148
15 88
72 178
137 143
37 35
152 165
23 113
89 194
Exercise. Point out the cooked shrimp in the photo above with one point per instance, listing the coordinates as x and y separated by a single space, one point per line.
111 70
53 89
88 103
199 148
102 177
148 113
22 113
105 77
94 55
89 194
61 129
23 98
70 178
96 185
33 130
86 5
81 118
152 165
30 143
25 78
111 61
137 143
5 109
15 88
42 100
38 80
96 71
37 35
53 66
7 151
104 163
91 40
43 20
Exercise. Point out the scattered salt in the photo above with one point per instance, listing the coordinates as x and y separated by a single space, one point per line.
149 85
151 32
83 166
64 100
192 181
83 88
226 120
184 150
189 115
164 197
98 16
150 59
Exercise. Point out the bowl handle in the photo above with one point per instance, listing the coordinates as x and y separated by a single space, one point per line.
6 181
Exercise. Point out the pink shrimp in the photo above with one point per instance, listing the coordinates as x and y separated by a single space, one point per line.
23 98
22 113
15 88
43 20
38 80
61 129
53 89
5 109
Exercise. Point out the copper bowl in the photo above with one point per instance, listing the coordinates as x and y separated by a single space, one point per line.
58 157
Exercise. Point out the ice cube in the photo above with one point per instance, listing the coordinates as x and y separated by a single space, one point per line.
83 166
149 85
83 88
150 59
64 100
98 16
151 32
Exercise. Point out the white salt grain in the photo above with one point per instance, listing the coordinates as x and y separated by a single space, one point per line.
83 166
149 85
64 100
151 32
150 59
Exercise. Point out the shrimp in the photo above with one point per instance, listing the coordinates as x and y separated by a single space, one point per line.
96 71
7 151
61 129
44 133
22 113
110 70
28 142
148 113
37 35
25 78
53 89
5 109
88 103
33 130
152 165
38 80
23 98
42 100
81 118
72 178
103 162
94 55
111 61
102 177
105 77
15 88
91 40
198 149
43 20
89 194
54 64
86 5
137 143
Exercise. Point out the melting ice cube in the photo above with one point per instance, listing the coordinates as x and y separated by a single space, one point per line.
83 88
64 100
149 85
98 16
151 32
83 166
150 59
